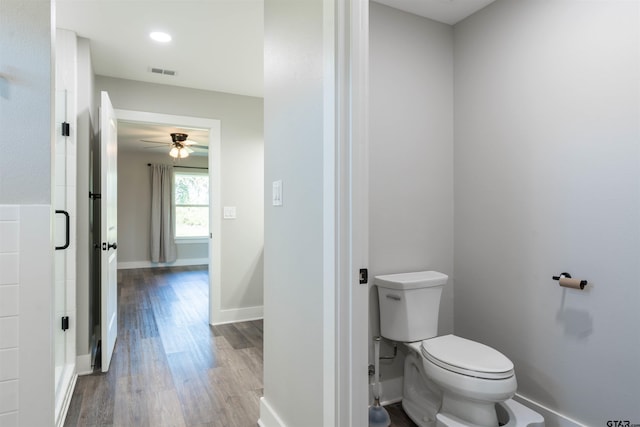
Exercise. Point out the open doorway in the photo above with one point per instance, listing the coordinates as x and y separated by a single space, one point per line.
141 136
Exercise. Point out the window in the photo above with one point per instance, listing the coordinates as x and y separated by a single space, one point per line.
191 192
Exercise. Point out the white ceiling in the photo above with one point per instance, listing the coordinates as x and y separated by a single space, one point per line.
217 45
447 11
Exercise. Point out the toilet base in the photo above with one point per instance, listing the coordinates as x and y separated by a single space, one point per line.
510 414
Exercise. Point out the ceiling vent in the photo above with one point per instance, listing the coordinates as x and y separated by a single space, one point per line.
162 71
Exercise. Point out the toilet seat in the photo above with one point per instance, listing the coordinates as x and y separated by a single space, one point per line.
467 357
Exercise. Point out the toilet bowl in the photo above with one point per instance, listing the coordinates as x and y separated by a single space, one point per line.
473 377
432 402
448 380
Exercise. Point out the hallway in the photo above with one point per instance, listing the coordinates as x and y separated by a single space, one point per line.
170 367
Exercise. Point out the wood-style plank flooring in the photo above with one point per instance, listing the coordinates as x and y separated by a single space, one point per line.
398 417
170 368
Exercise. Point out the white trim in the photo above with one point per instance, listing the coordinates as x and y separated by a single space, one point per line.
83 364
551 417
358 305
391 391
243 314
330 280
269 417
62 405
128 265
191 240
215 221
351 300
215 244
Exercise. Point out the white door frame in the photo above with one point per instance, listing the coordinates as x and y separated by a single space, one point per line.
346 164
215 245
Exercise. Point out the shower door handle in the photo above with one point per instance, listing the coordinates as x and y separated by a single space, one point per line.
66 233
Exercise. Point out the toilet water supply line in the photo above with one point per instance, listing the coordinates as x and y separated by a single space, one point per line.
376 367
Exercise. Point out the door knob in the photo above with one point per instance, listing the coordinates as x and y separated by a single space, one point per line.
106 247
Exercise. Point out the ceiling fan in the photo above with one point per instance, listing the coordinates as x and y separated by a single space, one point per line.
180 145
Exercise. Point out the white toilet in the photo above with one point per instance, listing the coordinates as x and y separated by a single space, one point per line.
448 381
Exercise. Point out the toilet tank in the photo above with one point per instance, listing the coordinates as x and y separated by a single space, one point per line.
409 304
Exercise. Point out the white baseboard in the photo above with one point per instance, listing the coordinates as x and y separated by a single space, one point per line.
551 417
148 264
83 364
268 417
391 391
238 315
62 404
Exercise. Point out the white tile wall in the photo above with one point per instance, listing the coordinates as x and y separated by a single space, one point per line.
8 237
9 365
8 396
36 295
8 332
9 300
8 268
9 313
9 419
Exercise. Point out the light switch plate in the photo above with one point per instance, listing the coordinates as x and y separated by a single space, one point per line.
229 212
277 193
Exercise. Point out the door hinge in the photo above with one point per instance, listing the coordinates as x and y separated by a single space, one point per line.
94 196
66 130
364 276
65 323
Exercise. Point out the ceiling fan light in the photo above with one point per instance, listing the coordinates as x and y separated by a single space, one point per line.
175 152
182 153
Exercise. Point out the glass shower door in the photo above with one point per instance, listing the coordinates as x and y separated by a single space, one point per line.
60 255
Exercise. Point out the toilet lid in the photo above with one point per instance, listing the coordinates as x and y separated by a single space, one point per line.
467 357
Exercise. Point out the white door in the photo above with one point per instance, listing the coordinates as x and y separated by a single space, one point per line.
108 229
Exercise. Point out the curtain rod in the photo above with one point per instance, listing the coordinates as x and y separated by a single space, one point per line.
185 167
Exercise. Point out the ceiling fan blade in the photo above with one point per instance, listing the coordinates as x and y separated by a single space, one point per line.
155 142
189 150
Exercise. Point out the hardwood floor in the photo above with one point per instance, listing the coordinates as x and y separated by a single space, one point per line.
398 417
170 368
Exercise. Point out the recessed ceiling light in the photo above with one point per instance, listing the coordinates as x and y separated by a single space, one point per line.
160 36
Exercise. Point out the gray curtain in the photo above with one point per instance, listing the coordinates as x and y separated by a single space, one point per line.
163 245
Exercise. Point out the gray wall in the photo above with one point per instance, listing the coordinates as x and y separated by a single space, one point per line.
134 207
411 154
547 178
25 82
293 306
241 174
